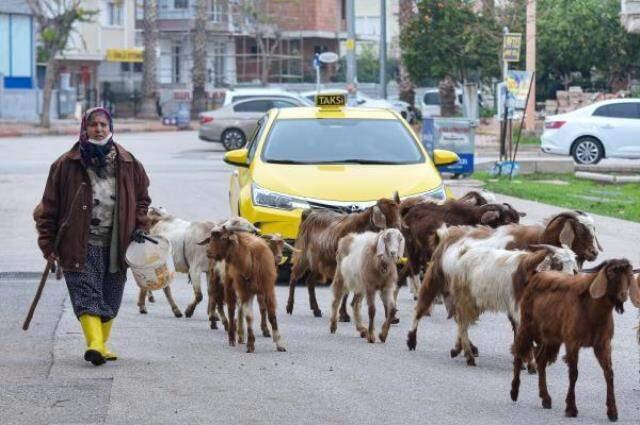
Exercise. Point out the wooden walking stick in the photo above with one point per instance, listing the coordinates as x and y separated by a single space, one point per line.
47 269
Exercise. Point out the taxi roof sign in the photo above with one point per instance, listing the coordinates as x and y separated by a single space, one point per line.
331 100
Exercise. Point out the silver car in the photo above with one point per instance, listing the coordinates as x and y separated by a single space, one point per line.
231 125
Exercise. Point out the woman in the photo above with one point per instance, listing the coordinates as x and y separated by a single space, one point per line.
95 202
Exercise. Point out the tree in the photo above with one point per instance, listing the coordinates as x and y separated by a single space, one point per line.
199 72
447 40
149 71
406 87
56 19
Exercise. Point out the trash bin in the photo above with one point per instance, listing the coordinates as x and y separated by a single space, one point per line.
455 135
151 264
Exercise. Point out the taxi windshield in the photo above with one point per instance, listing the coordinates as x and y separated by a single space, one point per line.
330 141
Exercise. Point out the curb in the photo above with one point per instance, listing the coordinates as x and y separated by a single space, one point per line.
74 131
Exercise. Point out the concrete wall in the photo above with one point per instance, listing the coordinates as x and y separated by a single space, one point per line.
25 105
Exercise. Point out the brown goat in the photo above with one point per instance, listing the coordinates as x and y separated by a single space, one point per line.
250 271
317 244
576 311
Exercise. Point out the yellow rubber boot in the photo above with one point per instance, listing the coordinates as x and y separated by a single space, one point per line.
106 331
92 329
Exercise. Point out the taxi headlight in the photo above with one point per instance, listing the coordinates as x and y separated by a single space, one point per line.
267 198
439 194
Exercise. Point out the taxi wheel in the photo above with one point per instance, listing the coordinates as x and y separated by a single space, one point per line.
233 139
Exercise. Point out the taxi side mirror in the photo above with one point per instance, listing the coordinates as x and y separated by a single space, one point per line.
442 157
237 158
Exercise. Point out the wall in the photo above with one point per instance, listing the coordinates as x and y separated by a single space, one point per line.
17 50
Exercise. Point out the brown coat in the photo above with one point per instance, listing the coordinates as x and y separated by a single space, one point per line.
68 177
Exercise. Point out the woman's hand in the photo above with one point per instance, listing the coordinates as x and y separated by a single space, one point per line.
138 236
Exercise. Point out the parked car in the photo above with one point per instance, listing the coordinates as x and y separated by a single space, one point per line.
403 108
607 129
232 124
235 95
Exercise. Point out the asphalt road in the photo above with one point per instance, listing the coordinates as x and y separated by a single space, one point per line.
179 371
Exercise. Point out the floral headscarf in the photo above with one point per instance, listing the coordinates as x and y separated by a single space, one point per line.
94 155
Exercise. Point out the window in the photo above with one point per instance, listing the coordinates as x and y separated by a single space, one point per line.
113 13
217 11
176 65
255 137
125 66
138 67
432 98
253 106
180 4
219 63
619 110
277 103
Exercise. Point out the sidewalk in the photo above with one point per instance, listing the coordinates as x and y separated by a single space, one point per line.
72 127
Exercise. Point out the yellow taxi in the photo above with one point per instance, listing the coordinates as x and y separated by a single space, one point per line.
329 156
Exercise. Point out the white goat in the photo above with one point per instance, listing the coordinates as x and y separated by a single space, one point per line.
366 263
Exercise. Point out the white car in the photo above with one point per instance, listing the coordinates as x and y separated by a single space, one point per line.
403 108
607 129
430 102
235 95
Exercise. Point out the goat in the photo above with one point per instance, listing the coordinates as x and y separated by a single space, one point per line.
576 311
317 244
421 222
483 279
366 263
188 257
250 271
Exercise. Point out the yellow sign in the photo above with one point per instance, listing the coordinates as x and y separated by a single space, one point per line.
325 100
124 55
511 47
350 44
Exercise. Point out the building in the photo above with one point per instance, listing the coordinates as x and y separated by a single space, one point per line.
18 94
368 26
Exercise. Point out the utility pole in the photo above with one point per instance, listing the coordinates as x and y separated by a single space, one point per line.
383 49
351 43
530 113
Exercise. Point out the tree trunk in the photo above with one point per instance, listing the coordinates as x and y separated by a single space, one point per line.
49 82
447 89
406 87
199 72
149 75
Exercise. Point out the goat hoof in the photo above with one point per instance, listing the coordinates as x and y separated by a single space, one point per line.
232 343
250 348
454 353
411 340
143 311
317 313
178 314
395 321
474 350
152 299
345 318
571 413
371 339
471 361
188 312
266 333
613 416
333 328
514 395
289 308
213 325
364 334
382 337
546 403
281 349
415 298
240 340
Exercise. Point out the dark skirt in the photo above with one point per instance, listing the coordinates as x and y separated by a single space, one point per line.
94 290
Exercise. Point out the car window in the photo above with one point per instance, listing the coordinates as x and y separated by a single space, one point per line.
280 103
619 110
255 136
360 141
258 105
432 98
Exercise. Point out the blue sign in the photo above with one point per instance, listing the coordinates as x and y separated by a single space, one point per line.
455 135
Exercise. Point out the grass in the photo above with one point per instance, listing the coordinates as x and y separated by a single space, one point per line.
620 201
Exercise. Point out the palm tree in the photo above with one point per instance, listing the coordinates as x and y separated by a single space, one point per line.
199 72
149 75
406 87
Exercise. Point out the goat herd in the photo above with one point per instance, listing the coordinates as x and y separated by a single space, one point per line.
472 253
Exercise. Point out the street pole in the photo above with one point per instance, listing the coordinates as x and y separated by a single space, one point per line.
383 49
351 43
530 113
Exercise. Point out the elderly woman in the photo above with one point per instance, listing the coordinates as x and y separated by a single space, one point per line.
95 202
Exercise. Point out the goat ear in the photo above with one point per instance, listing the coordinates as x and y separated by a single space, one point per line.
567 235
544 265
599 285
396 197
598 243
634 291
233 238
380 246
204 241
378 218
490 218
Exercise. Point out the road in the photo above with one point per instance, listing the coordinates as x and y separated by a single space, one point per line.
179 371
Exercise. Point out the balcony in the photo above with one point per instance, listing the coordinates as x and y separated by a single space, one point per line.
173 18
630 15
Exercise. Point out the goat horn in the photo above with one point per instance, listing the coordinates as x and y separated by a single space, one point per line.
291 247
636 271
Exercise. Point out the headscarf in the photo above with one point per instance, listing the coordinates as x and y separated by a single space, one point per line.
94 155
